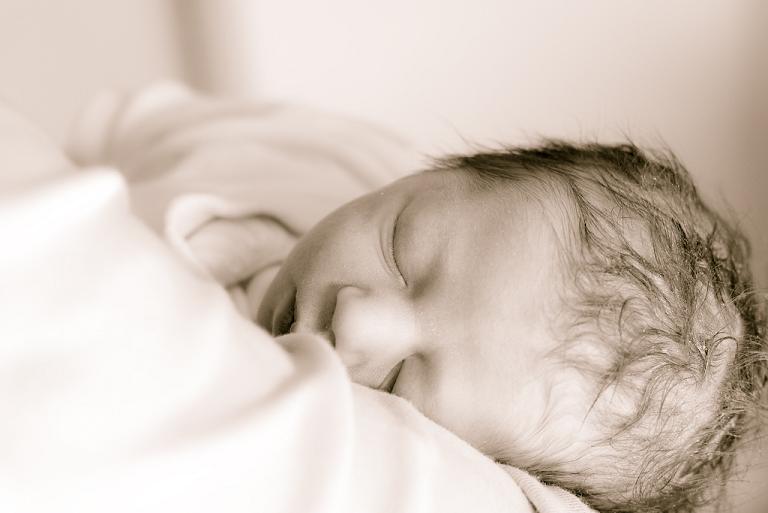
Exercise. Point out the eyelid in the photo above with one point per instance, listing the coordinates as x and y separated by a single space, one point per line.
392 252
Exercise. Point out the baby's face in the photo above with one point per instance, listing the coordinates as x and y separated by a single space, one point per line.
440 293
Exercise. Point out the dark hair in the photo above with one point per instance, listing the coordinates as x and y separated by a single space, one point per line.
661 284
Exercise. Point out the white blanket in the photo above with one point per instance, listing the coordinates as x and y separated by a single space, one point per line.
130 383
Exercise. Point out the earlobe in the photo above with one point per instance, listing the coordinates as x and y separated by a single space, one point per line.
718 359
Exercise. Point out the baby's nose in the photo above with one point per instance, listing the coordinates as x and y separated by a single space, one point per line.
374 331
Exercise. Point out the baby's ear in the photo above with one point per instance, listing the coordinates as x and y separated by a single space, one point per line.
233 250
722 354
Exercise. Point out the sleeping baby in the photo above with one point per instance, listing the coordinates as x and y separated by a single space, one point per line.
575 311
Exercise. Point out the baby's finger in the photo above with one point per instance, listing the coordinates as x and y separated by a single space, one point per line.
233 250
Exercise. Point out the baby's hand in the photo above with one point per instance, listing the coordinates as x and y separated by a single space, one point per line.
234 250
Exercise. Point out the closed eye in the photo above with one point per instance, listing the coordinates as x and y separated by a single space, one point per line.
393 252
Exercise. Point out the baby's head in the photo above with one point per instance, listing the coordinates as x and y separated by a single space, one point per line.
576 311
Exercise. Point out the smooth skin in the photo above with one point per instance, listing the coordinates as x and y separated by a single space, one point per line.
441 292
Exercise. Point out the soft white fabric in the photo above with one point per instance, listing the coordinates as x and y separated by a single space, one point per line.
130 382
189 158
214 158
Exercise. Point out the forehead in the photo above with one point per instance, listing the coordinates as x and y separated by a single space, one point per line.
506 218
493 253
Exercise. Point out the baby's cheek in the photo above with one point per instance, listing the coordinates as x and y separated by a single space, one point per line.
560 427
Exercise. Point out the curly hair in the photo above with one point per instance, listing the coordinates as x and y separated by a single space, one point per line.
660 285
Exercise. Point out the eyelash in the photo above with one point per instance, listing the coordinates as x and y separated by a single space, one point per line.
393 252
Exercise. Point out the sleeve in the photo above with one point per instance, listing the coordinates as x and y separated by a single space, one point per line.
189 158
197 167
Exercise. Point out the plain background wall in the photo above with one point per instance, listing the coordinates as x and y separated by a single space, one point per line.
689 72
55 55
